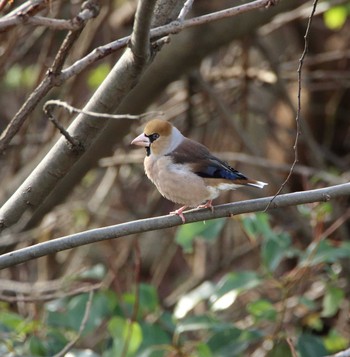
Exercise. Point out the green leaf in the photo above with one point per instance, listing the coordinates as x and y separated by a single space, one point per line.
257 224
187 233
154 340
70 314
334 342
262 310
313 321
188 301
196 323
323 211
335 17
275 247
18 77
310 346
97 75
280 348
331 301
96 272
230 286
148 299
308 303
10 321
324 252
54 342
202 350
37 347
126 334
232 341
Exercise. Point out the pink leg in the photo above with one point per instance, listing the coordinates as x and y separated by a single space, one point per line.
208 204
179 213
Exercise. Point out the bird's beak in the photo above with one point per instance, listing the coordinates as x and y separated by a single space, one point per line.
141 140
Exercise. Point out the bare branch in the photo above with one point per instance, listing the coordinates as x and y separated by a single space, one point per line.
72 109
50 80
55 24
150 224
29 8
161 31
74 142
297 119
185 10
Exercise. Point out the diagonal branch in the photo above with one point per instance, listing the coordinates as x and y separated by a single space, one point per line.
151 224
108 96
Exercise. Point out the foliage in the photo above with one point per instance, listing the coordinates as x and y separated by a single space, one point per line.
243 308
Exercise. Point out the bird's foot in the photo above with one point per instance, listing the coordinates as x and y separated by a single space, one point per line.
208 204
179 213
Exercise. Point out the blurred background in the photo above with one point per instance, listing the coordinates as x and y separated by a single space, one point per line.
272 283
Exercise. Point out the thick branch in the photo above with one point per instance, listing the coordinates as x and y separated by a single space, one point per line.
61 158
150 224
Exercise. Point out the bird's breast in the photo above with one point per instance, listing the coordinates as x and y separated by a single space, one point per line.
176 182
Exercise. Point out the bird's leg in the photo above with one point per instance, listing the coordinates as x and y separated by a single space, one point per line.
208 204
179 213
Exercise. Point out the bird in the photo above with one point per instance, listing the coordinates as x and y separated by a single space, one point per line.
183 170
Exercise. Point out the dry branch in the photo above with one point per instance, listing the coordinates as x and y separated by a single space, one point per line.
150 224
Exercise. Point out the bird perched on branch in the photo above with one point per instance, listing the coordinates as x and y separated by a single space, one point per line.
183 170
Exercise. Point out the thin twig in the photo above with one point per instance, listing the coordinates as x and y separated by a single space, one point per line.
72 109
29 8
51 79
59 294
291 346
81 328
55 24
151 224
185 10
74 142
298 118
161 31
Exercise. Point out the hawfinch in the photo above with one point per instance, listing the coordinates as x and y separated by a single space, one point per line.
183 170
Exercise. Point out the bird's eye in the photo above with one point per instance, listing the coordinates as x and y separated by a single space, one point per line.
153 137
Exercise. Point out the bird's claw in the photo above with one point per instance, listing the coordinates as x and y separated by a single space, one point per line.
208 204
179 213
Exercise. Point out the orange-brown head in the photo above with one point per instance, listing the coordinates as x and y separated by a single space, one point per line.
159 137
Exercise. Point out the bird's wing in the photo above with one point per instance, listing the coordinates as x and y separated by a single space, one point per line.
203 163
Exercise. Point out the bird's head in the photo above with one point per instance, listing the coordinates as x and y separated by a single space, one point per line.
159 137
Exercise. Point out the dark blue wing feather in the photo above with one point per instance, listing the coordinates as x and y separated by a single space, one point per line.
203 163
216 168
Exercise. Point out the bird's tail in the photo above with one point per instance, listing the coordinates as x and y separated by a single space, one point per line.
258 184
